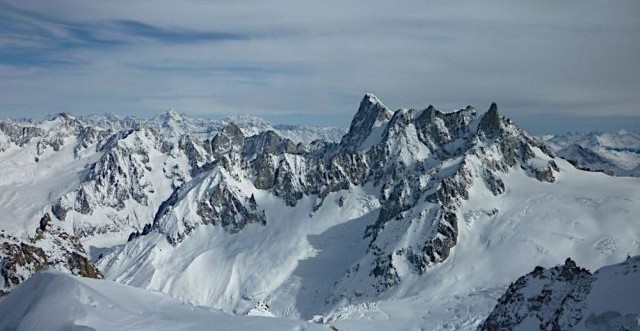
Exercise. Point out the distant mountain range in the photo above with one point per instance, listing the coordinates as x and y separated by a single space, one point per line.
411 218
616 154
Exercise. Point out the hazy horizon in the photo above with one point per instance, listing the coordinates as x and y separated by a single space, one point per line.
558 124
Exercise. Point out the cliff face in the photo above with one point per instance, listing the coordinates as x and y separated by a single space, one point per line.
237 217
49 247
416 166
568 297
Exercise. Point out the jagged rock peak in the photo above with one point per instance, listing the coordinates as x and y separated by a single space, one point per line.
65 116
169 116
370 97
371 105
268 142
228 139
552 298
231 130
490 123
371 113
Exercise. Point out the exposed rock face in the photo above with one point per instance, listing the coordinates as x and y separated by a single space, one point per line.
20 260
228 140
132 169
59 131
19 135
50 247
567 297
370 113
267 142
217 202
171 175
490 124
137 170
422 163
225 207
552 298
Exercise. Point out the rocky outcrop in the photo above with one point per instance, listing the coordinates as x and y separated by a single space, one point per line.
217 201
19 135
228 140
137 169
567 297
370 113
171 175
421 162
551 299
229 210
50 247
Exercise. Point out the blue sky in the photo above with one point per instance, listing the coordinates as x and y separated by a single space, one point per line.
550 65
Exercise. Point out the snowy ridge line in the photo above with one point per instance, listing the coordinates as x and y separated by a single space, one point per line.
420 167
101 178
413 208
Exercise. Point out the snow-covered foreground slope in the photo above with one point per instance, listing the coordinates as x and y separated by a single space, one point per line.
565 296
299 255
52 300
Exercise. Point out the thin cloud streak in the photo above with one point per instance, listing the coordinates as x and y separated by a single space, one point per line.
577 58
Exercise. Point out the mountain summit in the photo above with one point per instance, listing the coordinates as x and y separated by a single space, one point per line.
414 207
398 187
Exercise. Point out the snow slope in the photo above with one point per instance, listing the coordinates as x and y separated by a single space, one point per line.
317 255
298 254
52 300
35 175
100 178
417 219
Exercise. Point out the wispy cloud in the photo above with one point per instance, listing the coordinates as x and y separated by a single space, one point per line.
578 58
177 36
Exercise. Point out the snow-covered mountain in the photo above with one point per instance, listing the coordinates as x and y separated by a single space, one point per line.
309 231
613 153
413 218
567 297
99 177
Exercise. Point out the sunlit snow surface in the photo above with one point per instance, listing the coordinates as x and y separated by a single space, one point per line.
293 262
52 300
29 188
